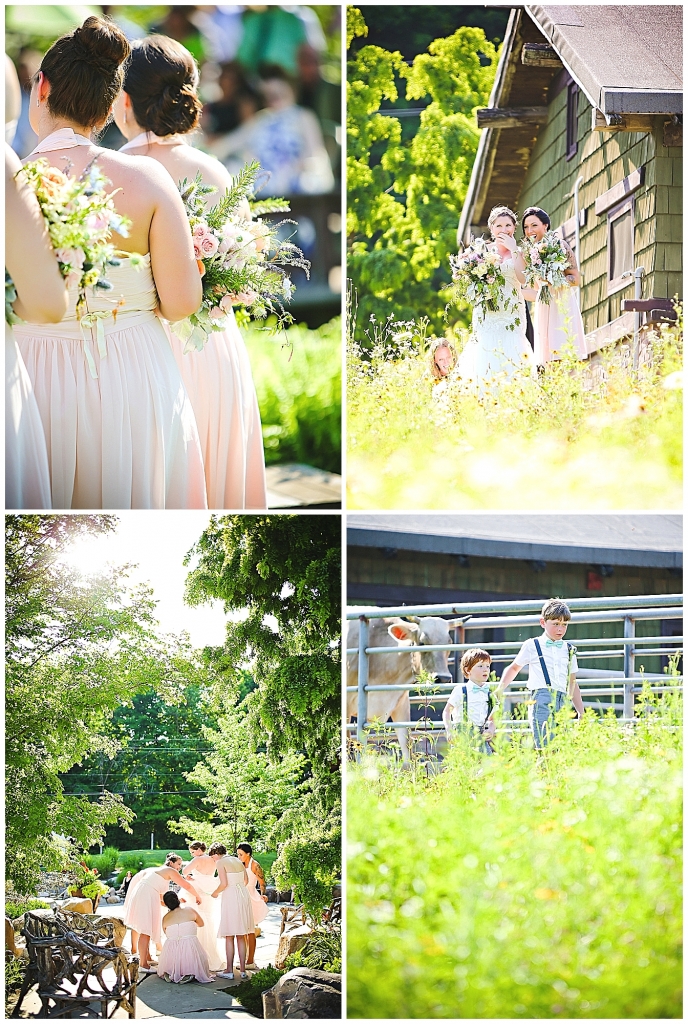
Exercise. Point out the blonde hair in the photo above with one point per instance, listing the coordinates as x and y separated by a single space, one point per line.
555 608
472 658
437 344
501 211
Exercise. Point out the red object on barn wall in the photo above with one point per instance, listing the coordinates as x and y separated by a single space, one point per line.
594 581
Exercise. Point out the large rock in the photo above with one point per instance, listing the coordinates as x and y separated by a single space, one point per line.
120 929
289 943
304 994
79 904
41 912
9 937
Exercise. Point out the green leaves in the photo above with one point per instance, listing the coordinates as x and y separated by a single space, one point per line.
404 195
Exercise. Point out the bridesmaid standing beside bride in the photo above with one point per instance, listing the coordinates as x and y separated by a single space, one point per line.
156 111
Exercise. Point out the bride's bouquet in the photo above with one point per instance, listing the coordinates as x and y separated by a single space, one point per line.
240 257
478 277
546 261
80 217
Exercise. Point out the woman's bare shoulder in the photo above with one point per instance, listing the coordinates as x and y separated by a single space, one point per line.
12 163
214 173
147 174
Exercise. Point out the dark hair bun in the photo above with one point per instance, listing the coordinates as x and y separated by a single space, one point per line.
101 43
171 900
161 80
84 69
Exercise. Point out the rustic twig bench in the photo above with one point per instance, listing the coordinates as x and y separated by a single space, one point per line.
68 960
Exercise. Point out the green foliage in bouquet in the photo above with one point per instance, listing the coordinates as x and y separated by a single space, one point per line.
242 260
546 260
80 216
404 198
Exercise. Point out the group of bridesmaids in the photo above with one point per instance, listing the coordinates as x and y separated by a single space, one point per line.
224 906
143 426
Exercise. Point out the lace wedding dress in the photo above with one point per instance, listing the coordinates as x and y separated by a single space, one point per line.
498 342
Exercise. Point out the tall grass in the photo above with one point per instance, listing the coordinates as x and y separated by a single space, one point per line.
298 380
576 438
522 886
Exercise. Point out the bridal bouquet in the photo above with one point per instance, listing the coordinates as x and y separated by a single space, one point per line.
546 261
240 257
80 216
478 276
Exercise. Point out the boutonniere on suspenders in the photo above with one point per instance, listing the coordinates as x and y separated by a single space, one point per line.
548 681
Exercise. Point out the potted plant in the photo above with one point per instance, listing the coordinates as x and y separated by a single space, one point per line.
86 883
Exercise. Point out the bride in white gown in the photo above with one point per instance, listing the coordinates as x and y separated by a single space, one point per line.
498 342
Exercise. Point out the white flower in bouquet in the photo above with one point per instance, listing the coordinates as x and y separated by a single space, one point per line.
546 263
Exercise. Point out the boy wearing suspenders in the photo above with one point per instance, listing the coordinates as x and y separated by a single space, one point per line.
475 668
552 668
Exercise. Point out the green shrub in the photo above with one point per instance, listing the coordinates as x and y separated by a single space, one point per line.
17 906
518 885
104 862
250 993
299 393
15 967
321 950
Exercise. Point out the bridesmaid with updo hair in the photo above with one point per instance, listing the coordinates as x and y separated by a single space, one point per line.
157 111
118 424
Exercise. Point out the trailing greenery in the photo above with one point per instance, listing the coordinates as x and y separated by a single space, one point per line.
298 377
522 885
321 952
610 437
284 573
250 993
17 906
404 196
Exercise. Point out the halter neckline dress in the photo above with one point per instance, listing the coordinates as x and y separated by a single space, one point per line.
220 385
119 427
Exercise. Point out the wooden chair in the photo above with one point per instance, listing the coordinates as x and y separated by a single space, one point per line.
68 958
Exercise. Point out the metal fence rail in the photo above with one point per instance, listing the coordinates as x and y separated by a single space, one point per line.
490 615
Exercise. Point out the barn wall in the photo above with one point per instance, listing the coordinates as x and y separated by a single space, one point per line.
424 578
604 159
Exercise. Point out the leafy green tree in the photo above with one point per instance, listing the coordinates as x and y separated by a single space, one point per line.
248 792
159 740
283 573
404 197
75 649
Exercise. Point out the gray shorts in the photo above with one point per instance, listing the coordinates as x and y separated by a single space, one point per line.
541 714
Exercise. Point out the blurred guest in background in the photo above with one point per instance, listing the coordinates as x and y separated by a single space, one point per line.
286 139
239 102
179 24
25 138
271 35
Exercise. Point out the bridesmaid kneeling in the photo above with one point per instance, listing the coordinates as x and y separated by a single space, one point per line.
182 957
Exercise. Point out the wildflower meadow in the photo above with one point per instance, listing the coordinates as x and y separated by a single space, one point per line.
600 436
522 886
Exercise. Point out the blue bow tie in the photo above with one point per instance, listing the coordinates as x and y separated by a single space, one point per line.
554 643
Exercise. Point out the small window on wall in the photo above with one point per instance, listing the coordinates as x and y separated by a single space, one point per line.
620 244
571 120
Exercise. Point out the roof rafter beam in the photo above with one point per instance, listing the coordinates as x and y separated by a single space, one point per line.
540 55
510 117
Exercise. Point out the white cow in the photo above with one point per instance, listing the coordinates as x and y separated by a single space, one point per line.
388 669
